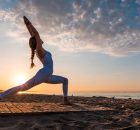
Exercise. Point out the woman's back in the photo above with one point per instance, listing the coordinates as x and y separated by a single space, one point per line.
47 60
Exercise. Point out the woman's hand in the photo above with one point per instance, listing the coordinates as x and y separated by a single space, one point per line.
26 21
32 30
29 26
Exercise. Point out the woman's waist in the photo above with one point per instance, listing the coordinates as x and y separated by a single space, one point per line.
47 67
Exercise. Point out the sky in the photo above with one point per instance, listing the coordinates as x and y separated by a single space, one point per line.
94 43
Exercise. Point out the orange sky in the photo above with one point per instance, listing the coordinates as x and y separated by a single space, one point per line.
95 54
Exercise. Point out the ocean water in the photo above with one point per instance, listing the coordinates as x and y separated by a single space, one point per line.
124 95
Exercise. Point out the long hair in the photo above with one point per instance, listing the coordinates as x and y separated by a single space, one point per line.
32 44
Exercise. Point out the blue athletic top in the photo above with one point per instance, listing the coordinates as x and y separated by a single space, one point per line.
47 60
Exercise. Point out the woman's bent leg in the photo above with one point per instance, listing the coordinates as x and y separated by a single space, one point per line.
54 79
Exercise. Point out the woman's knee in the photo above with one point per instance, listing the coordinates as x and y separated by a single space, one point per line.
65 80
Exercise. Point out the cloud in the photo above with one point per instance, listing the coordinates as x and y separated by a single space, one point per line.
110 27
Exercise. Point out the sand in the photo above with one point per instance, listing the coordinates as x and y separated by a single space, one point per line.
45 112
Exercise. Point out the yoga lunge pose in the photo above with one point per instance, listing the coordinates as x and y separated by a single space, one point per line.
44 75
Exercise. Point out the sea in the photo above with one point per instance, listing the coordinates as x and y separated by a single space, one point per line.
123 95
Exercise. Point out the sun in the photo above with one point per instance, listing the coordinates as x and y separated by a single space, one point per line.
20 79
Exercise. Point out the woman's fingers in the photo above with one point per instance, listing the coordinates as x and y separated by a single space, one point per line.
30 27
26 21
24 17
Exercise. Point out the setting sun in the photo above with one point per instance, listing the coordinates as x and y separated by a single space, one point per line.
20 79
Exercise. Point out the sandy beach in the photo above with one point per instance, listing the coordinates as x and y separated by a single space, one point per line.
46 112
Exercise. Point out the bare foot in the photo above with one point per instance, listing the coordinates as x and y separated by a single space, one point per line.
1 100
66 101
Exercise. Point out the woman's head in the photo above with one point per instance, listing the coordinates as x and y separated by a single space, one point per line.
32 44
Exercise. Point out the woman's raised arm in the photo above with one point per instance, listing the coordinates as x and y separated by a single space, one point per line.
33 32
30 27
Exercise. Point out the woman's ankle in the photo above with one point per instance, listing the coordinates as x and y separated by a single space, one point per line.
66 101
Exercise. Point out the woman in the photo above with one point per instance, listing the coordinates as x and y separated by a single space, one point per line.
44 75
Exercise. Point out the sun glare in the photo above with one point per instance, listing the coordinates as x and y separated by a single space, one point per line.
20 79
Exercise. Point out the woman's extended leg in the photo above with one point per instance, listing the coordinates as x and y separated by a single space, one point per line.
29 84
37 79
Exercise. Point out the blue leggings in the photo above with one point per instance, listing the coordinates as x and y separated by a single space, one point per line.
42 76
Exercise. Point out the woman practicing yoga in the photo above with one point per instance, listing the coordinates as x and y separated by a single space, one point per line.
44 75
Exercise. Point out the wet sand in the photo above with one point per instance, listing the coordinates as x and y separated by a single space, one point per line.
45 112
